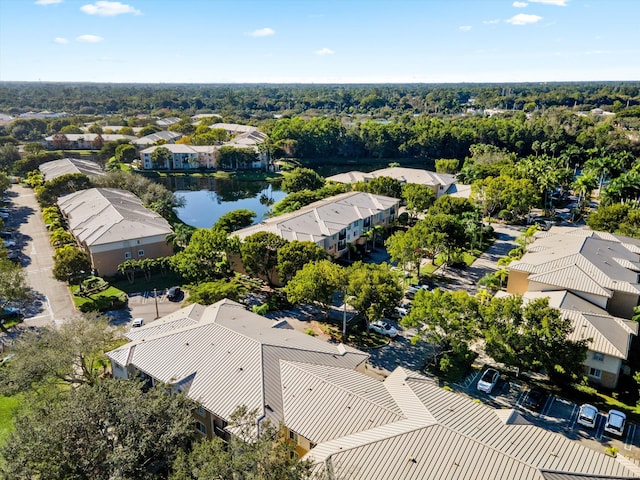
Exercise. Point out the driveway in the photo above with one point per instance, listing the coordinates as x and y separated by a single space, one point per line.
53 304
467 278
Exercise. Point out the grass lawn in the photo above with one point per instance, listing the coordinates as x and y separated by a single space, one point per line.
7 406
110 293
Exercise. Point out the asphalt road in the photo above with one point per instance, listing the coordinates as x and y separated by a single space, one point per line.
53 304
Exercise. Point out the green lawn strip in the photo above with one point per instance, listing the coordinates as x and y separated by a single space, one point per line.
8 406
111 293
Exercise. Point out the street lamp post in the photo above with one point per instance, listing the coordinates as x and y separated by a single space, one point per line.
155 297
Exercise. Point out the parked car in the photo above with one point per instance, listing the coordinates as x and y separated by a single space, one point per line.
587 415
4 215
6 235
535 398
401 311
615 422
488 380
137 322
9 243
174 293
383 328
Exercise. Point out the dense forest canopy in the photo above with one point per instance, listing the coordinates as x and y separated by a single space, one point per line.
256 100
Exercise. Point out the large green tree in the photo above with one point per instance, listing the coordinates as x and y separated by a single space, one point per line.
70 264
48 193
252 454
388 186
260 254
111 429
204 259
235 220
532 336
317 282
72 354
161 158
418 198
207 293
372 289
448 320
301 179
295 255
13 284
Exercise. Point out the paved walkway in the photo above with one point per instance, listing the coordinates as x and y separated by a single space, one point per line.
468 277
53 304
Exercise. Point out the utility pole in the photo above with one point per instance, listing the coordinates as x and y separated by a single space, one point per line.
155 297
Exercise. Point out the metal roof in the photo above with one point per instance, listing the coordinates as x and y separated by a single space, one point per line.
99 216
353 401
402 174
582 260
231 355
64 166
324 218
458 439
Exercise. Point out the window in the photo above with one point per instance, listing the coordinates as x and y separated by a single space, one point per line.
127 255
141 253
293 436
201 428
598 356
594 372
201 411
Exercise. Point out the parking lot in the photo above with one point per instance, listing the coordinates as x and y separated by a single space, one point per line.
558 415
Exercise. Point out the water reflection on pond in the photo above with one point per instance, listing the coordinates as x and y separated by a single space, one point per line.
207 198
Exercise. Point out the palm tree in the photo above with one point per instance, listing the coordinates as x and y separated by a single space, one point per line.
584 185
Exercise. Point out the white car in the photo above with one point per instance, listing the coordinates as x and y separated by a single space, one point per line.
401 311
383 328
615 422
488 380
137 322
587 415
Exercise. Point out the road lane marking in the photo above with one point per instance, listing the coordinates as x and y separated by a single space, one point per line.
548 405
631 432
573 412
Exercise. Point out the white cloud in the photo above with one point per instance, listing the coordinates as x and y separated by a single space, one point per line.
523 19
520 4
324 51
559 3
108 9
89 39
61 40
48 2
263 32
491 22
464 28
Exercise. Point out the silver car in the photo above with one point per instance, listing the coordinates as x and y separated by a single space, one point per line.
488 380
587 415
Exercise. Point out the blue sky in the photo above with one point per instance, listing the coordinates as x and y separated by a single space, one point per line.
319 41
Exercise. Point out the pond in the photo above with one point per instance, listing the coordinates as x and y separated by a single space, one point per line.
207 198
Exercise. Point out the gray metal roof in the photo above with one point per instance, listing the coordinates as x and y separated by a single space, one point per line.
354 402
402 174
64 166
324 218
99 216
609 335
582 260
457 439
232 355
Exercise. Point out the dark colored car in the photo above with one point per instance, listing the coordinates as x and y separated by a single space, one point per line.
535 399
174 293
